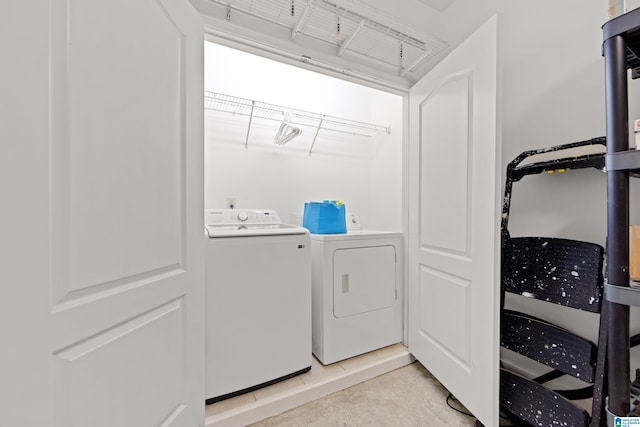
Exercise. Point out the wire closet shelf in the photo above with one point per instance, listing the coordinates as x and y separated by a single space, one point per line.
352 27
263 110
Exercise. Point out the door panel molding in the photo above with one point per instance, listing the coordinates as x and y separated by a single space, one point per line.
118 170
94 293
130 362
449 161
446 328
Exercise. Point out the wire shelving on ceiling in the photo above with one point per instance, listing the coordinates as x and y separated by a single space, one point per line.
359 29
263 110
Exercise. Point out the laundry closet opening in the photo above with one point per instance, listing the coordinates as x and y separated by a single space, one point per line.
277 136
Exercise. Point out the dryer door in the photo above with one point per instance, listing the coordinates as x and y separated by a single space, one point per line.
364 280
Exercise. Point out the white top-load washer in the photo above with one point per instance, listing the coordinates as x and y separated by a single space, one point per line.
258 301
357 291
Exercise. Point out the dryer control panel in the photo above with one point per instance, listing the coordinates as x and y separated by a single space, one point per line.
353 221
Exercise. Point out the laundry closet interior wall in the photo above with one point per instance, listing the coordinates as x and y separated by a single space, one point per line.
242 160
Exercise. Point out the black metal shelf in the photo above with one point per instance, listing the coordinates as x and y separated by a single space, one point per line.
627 295
628 27
624 161
621 51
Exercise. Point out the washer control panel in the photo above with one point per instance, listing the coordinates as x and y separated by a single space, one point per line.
240 216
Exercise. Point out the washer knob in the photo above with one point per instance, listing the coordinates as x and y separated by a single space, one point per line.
242 216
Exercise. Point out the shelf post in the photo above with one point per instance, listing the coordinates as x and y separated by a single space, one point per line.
246 140
316 135
614 50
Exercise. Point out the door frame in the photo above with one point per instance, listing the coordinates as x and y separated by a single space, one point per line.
252 46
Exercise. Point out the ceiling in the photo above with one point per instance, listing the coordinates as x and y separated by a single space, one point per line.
439 5
348 37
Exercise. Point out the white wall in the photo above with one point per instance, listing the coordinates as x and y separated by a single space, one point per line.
364 172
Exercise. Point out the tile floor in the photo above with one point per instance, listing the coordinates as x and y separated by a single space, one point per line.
318 383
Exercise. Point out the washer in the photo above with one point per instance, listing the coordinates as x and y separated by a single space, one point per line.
258 301
356 292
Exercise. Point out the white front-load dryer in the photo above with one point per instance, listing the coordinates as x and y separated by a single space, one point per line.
356 293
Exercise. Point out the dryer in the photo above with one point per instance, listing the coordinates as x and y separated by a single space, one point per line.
356 293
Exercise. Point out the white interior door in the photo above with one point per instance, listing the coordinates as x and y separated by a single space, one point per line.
102 166
454 244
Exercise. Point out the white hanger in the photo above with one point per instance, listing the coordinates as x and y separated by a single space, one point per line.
286 132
